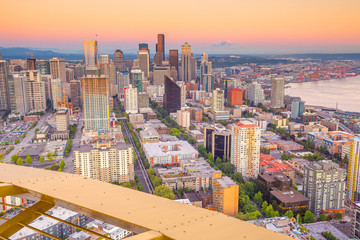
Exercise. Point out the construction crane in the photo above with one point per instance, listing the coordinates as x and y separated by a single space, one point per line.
63 103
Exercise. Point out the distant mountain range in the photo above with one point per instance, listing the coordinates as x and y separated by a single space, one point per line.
24 53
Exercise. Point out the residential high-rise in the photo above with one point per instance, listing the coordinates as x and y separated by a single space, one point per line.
21 94
353 180
11 90
277 92
75 93
245 148
143 100
186 63
297 108
118 59
225 194
95 93
31 63
43 66
4 95
123 80
182 86
256 93
57 92
159 72
90 52
174 58
46 79
234 96
160 46
144 61
105 162
62 120
172 96
324 185
217 100
183 118
136 79
57 68
107 69
131 99
35 90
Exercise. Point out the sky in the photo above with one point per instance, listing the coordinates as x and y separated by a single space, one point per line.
222 26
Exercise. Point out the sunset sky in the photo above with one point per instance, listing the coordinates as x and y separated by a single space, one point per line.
228 26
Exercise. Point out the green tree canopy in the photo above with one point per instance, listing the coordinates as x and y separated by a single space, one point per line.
322 218
258 199
249 189
289 214
14 158
309 217
165 192
62 164
28 159
41 159
19 161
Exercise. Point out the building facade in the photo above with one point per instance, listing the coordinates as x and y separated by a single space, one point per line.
217 100
234 96
353 181
57 68
245 148
131 99
277 92
172 96
105 162
90 52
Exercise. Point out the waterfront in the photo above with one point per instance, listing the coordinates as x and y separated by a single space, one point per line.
345 92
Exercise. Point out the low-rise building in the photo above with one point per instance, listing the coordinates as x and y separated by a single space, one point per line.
176 178
149 135
136 117
169 153
333 141
268 164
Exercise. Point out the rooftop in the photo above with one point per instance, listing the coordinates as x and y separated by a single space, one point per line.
225 181
291 196
163 149
246 124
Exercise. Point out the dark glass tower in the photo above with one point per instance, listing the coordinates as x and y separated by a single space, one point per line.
174 58
172 96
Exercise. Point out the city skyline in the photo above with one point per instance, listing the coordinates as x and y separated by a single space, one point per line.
262 27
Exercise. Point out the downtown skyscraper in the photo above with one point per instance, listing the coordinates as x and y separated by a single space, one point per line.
186 63
160 46
4 95
95 93
90 52
277 92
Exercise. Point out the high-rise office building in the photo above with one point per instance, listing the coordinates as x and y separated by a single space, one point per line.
105 162
256 93
186 63
43 66
46 79
21 94
277 92
205 67
75 93
31 63
174 58
35 90
297 108
183 118
245 148
95 93
217 100
4 94
234 96
79 71
118 59
172 96
11 90
90 52
324 185
160 46
208 82
143 46
159 73
123 80
136 79
353 180
144 59
57 68
218 141
107 69
131 99
182 86
57 92
225 194
143 100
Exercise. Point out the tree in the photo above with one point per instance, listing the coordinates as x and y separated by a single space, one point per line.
299 135
264 206
140 187
19 161
165 192
55 153
299 219
41 159
238 177
210 157
28 159
50 158
249 189
14 158
338 216
309 217
329 236
49 154
248 216
258 198
1 157
289 214
322 218
218 161
17 141
62 164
